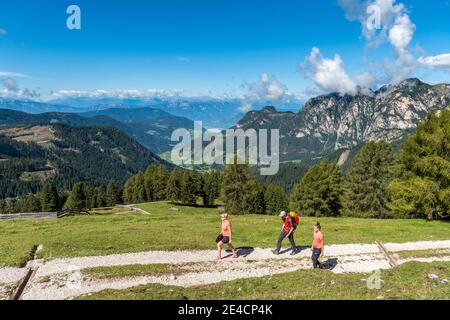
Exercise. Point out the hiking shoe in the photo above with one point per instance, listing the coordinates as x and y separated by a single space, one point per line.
276 252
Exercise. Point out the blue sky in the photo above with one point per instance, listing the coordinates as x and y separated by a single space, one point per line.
206 47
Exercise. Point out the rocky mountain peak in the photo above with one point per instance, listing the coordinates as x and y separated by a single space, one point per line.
333 122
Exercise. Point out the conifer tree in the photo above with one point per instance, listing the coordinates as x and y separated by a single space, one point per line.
149 182
49 196
101 197
275 199
173 187
77 198
238 189
112 194
32 204
188 188
160 183
367 180
211 187
319 192
421 187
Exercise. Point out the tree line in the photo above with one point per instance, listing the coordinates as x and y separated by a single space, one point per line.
414 183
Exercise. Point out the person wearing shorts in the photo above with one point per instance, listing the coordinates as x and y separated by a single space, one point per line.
225 237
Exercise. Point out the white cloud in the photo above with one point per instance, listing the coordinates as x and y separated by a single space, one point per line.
441 61
10 84
401 33
11 90
328 74
395 27
182 59
13 74
266 89
119 94
389 10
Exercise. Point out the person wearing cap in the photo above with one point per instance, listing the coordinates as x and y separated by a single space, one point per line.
317 246
225 237
286 232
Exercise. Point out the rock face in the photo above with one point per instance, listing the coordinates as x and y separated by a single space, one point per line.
332 123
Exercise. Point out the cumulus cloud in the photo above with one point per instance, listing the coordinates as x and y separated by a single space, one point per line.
401 33
385 11
395 27
441 61
11 90
386 21
266 89
328 74
10 84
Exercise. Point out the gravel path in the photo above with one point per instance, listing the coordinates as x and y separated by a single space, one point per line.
62 278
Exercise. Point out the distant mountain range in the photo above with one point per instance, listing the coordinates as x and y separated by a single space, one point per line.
150 127
330 126
337 124
213 112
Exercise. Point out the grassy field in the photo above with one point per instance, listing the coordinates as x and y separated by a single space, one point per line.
409 281
119 231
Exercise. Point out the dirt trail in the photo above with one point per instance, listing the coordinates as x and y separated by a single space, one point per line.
62 278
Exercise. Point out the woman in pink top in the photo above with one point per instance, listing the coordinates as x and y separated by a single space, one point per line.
225 236
317 246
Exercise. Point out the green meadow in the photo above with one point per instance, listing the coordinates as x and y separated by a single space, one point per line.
171 227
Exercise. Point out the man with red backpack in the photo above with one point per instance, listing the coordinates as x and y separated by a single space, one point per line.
290 223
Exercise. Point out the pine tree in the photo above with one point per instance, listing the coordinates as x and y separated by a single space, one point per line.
50 201
149 183
90 197
238 189
421 187
258 201
211 187
188 188
173 188
100 201
319 192
139 192
276 200
160 183
367 181
112 194
32 204
77 198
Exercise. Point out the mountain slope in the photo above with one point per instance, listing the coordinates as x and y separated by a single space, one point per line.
150 126
31 155
31 106
332 123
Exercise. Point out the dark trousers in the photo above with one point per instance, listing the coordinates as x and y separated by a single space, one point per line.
283 235
315 257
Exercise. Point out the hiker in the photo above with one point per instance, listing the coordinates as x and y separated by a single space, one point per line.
289 225
317 246
225 237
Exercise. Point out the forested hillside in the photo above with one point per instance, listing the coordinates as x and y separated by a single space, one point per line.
31 156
